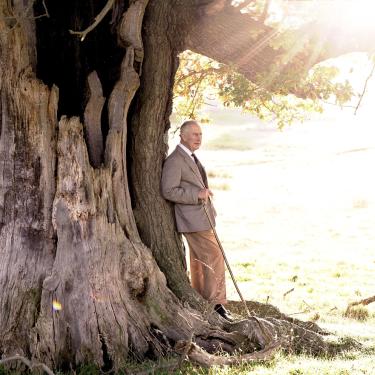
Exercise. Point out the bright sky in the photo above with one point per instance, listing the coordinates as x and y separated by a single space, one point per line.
353 13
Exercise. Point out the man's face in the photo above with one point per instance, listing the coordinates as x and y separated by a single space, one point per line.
192 137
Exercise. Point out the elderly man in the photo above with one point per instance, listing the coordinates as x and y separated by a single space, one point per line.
184 182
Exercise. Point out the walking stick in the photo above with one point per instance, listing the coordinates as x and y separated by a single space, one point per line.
226 260
232 276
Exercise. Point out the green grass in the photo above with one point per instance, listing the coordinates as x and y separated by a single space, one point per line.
299 252
347 363
297 228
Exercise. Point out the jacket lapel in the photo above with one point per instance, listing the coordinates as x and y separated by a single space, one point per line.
190 162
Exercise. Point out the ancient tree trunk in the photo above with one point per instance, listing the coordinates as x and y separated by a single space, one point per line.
149 146
77 284
28 125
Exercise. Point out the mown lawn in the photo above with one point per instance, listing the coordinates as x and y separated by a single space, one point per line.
296 220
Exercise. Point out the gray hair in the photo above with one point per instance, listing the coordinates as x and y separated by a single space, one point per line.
186 125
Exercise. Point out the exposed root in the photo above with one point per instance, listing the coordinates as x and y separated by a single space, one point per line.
266 310
199 356
31 365
258 338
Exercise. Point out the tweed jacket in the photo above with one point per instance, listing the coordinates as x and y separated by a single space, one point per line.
181 182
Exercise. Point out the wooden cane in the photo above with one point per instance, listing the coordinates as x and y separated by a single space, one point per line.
225 259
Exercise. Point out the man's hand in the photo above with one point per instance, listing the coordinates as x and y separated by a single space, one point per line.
204 194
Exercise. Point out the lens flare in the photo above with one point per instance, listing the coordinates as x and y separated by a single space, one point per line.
56 305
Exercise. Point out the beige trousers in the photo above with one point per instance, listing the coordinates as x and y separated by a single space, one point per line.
207 266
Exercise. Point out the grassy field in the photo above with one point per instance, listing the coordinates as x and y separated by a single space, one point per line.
296 218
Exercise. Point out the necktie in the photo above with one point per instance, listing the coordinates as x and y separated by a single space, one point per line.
201 170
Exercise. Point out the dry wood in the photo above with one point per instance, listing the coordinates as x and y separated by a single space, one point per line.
130 28
364 302
82 34
115 152
288 292
92 120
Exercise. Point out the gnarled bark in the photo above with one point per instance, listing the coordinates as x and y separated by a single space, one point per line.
92 120
27 182
148 147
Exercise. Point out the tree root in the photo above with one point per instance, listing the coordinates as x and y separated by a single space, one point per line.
31 365
199 356
257 338
266 310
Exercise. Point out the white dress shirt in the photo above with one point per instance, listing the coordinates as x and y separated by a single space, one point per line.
189 152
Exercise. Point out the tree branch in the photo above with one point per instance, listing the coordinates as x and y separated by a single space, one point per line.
236 38
338 105
45 8
365 88
192 73
97 20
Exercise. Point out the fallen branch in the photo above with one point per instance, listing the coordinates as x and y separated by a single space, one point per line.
31 365
300 312
363 302
287 292
82 34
